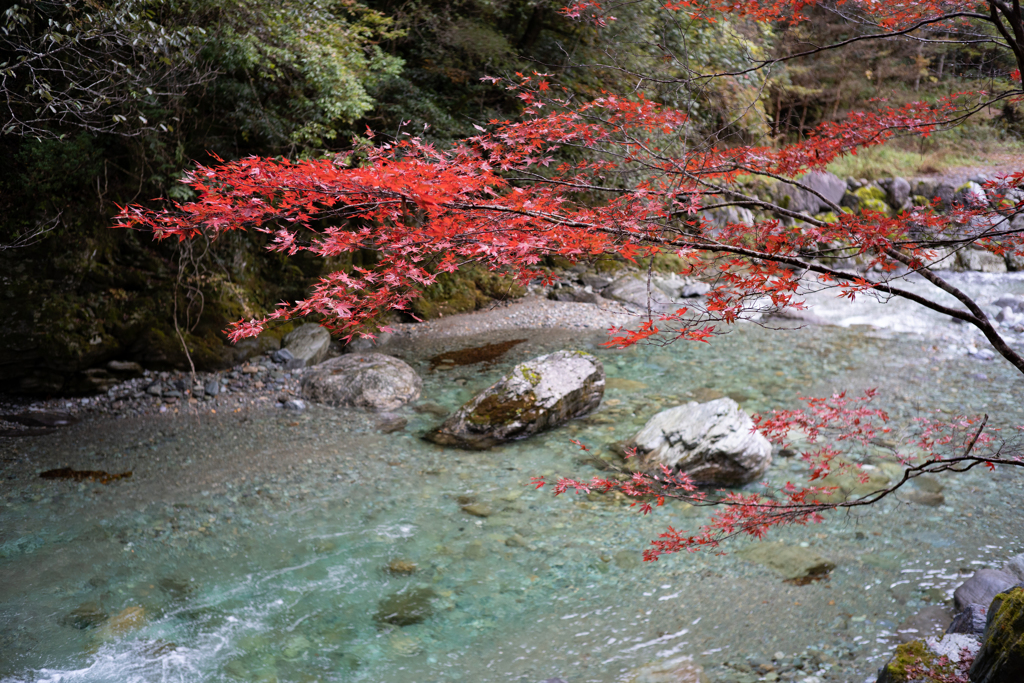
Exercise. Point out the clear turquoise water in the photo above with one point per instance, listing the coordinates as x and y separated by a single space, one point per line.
257 548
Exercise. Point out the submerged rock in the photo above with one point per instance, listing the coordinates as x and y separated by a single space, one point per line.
400 567
308 345
85 616
371 381
712 442
1001 658
539 394
477 510
790 562
127 620
981 588
405 608
392 423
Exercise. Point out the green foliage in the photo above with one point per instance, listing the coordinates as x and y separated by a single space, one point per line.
296 73
652 40
975 145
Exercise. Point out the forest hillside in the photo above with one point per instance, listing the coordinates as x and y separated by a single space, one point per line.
107 104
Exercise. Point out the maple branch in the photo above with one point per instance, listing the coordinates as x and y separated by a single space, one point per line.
979 319
995 8
974 440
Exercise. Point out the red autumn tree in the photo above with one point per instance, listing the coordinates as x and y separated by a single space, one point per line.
625 175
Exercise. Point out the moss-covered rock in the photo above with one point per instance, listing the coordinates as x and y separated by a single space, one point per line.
539 394
76 301
907 657
872 198
467 289
1001 658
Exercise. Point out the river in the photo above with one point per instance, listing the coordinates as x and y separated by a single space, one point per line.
268 546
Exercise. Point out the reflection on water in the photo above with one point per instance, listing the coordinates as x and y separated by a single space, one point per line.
334 552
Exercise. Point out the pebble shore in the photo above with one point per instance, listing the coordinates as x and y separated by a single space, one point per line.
260 382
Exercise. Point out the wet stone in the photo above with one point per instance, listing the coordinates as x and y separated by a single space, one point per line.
970 620
475 354
399 567
983 587
627 559
127 620
790 562
477 510
88 615
405 608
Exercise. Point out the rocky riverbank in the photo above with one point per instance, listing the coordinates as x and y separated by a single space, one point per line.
273 379
982 639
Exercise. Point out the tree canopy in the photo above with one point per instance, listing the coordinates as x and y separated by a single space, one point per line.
629 175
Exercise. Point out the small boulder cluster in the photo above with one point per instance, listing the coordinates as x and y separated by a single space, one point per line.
660 292
713 442
278 375
988 628
892 196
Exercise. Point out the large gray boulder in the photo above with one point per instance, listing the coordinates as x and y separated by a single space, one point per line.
1015 566
1015 302
633 291
712 442
539 394
730 215
982 587
980 260
308 344
371 381
797 199
897 192
971 195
